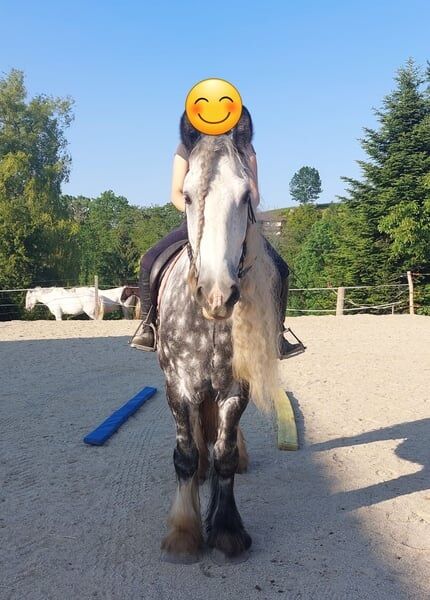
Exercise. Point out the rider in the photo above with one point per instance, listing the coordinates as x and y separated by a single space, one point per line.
145 338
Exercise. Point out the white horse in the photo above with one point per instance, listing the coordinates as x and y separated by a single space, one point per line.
63 302
80 300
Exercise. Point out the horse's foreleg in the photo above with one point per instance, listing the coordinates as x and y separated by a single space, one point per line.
184 538
57 312
224 525
242 466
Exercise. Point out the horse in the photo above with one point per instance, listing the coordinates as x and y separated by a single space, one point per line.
112 299
217 331
61 301
79 300
131 296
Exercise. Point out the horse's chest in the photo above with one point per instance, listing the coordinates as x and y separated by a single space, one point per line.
195 351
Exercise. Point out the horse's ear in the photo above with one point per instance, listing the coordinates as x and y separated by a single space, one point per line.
243 132
189 134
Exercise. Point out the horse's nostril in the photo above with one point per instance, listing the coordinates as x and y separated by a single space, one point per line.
199 294
234 295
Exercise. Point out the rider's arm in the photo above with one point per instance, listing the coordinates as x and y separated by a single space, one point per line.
180 168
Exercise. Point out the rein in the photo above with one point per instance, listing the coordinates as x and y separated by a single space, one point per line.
241 271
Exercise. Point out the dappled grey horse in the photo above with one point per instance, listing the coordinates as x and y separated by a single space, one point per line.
217 336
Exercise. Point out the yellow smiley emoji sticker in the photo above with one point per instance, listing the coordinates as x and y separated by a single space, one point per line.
213 106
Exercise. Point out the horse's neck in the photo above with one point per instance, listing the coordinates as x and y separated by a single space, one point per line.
177 279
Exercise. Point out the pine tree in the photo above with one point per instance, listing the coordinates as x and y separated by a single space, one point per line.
392 200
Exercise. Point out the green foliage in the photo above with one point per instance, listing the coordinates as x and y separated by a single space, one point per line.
50 239
34 223
393 196
380 230
153 224
296 227
305 186
104 238
113 235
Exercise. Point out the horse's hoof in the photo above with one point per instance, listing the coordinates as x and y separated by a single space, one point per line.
231 545
179 559
242 467
221 559
182 547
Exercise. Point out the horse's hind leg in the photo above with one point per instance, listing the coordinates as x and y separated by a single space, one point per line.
202 449
184 538
206 433
224 525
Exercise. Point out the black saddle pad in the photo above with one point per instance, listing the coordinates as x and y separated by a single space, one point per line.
159 267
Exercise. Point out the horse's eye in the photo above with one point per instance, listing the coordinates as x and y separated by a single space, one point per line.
246 197
187 199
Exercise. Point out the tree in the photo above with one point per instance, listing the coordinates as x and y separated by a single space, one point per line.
105 239
393 197
296 226
37 235
154 223
305 186
113 235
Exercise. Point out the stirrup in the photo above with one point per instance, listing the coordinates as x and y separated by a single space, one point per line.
293 349
133 342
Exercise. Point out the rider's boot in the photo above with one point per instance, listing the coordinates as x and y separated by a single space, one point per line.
286 349
145 337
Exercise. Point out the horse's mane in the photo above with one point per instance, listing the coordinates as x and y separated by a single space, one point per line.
255 324
254 319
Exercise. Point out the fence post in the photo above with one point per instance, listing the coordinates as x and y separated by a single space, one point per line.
411 292
340 301
96 297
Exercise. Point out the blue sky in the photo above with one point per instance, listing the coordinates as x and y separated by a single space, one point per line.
310 73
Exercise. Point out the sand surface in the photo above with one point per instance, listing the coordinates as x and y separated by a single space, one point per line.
346 517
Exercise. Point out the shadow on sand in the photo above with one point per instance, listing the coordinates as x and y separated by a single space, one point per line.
91 520
411 448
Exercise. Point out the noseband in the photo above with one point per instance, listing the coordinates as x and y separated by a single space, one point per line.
241 271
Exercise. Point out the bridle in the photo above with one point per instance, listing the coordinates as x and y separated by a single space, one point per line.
241 269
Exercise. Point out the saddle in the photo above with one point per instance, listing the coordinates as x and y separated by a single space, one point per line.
160 267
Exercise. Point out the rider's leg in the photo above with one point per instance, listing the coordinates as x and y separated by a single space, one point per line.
285 347
144 338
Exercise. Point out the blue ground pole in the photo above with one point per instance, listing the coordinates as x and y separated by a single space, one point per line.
104 431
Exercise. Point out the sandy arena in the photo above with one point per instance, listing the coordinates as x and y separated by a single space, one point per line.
346 517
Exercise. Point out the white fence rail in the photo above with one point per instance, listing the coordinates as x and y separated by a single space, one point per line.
344 305
340 292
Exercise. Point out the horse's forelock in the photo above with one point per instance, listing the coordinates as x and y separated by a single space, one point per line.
211 148
205 158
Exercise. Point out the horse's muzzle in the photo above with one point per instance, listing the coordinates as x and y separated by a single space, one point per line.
218 303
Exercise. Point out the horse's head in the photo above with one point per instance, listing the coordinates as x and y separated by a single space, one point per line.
31 299
217 198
